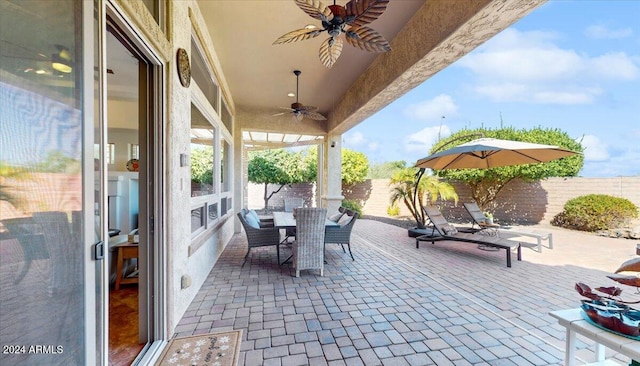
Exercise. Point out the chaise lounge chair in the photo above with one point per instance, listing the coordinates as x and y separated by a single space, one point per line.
442 230
480 220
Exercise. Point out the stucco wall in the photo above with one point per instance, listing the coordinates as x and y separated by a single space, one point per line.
519 202
183 17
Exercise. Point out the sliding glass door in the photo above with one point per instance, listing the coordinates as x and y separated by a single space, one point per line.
50 184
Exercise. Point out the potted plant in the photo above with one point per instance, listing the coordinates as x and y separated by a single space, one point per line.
489 217
430 188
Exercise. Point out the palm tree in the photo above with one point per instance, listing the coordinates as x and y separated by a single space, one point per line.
431 188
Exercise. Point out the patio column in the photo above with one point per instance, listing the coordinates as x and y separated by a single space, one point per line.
239 182
332 152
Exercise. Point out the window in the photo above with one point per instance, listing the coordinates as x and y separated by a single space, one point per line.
197 219
111 153
134 151
225 165
224 207
202 158
213 212
156 9
226 117
211 147
202 76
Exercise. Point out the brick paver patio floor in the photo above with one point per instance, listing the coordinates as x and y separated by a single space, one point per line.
443 304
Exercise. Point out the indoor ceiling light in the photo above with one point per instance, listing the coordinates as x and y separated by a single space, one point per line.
61 61
291 95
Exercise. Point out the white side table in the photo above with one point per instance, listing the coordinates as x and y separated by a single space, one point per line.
574 322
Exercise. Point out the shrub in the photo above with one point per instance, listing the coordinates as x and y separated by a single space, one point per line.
352 205
595 212
393 210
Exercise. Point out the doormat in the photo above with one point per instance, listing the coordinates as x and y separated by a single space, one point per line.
212 349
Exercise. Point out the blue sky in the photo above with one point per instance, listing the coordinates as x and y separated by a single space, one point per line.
573 65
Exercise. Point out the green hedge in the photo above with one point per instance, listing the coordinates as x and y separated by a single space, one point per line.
595 212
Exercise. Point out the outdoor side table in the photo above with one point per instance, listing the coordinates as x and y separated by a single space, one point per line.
573 321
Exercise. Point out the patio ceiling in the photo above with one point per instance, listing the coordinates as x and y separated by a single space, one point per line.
257 140
425 36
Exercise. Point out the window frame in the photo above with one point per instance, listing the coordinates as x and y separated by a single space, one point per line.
223 191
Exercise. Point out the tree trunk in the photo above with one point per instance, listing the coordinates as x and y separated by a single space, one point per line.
266 199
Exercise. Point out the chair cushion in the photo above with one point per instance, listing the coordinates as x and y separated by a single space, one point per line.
254 214
252 221
345 219
336 217
449 229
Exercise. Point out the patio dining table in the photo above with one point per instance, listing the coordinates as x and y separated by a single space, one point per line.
285 220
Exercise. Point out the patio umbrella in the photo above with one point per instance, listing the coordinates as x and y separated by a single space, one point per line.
487 153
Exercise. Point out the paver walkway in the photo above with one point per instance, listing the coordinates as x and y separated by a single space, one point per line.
443 304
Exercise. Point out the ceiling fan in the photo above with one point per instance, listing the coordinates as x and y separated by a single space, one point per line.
355 14
300 111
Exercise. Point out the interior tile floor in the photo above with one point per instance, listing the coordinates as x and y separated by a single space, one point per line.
123 325
443 304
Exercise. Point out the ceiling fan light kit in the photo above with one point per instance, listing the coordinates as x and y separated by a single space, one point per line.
61 61
335 18
298 110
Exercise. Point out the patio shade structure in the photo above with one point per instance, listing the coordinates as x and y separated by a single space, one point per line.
485 153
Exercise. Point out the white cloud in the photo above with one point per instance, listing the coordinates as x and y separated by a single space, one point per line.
602 32
615 66
531 93
423 140
354 138
525 64
594 149
432 110
528 66
522 56
566 97
373 146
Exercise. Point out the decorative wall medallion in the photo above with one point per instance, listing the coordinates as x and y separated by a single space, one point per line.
133 165
184 70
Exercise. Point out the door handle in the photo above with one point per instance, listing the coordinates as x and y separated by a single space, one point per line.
98 250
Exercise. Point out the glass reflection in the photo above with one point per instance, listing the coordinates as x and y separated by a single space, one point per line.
41 252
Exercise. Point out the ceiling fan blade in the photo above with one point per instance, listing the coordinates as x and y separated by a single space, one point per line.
308 108
367 39
314 115
297 116
330 50
298 35
315 9
365 11
287 108
278 114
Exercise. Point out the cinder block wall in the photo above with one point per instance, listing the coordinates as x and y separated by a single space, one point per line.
518 203
255 195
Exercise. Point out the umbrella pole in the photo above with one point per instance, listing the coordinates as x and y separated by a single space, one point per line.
420 172
419 175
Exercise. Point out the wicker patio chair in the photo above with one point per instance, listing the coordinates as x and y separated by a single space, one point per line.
289 204
308 249
259 237
292 202
66 258
30 237
342 234
264 221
